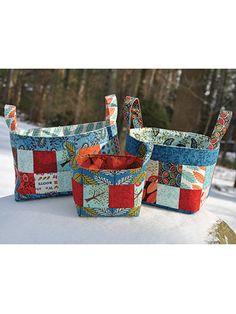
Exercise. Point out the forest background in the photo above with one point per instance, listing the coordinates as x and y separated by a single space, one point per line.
179 99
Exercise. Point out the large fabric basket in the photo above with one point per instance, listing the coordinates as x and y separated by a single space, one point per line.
180 171
41 157
109 186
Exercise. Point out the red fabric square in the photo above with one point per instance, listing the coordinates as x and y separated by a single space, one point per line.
190 200
121 196
45 161
27 184
77 189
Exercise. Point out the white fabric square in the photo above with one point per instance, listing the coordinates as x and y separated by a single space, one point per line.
25 160
46 183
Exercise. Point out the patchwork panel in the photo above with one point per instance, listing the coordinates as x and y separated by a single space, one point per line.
168 196
208 176
96 196
190 200
46 183
25 160
192 177
169 174
45 161
64 181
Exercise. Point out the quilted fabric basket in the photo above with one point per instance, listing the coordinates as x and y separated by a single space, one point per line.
41 157
108 186
180 171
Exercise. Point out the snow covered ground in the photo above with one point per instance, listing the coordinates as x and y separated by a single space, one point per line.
221 203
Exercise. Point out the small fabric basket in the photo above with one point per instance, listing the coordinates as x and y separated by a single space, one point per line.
42 155
181 168
109 186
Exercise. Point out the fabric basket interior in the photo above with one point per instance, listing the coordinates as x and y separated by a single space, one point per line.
109 162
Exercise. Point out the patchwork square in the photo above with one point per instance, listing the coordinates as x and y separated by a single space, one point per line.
64 181
27 184
190 200
121 196
45 161
152 170
168 196
78 193
169 174
138 194
46 183
25 160
63 161
96 196
192 177
150 192
208 175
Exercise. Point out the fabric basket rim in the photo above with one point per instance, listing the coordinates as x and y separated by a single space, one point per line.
18 130
171 146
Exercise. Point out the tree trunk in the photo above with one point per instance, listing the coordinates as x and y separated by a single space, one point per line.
141 88
6 93
16 97
81 99
189 99
41 81
66 79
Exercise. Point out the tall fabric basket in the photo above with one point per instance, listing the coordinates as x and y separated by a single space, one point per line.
180 171
42 156
110 185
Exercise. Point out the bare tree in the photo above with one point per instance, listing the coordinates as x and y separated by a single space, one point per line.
189 99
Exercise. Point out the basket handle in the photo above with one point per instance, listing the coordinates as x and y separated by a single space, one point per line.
145 151
221 127
10 117
111 109
132 112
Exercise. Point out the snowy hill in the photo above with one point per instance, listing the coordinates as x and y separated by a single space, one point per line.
55 220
